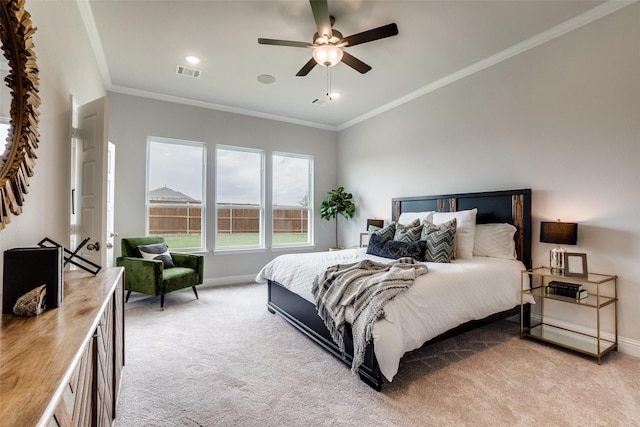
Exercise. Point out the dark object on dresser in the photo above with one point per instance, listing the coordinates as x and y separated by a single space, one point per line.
27 268
73 257
151 276
512 206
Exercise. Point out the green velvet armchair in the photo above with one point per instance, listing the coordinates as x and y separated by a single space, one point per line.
151 277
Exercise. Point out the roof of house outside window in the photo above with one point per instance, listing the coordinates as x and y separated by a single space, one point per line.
168 195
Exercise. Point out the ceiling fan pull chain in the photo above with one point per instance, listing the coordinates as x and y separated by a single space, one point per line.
328 85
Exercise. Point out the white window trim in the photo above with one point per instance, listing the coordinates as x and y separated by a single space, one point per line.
310 182
202 205
261 247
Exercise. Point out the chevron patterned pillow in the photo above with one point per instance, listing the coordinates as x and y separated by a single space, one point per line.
389 248
438 241
408 232
387 232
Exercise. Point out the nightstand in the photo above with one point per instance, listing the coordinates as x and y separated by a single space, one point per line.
602 301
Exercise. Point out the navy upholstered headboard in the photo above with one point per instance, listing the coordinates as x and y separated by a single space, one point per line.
512 206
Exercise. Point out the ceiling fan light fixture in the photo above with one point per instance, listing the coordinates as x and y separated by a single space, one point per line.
327 55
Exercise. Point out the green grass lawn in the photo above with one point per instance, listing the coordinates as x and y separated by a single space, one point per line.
229 240
181 242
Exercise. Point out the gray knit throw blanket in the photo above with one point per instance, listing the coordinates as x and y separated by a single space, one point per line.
366 285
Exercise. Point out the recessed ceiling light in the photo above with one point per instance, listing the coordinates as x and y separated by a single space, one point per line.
333 96
192 59
266 78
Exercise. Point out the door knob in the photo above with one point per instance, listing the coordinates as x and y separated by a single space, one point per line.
93 246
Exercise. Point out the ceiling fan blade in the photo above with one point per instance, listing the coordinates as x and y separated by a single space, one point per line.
283 43
307 67
320 10
355 63
371 35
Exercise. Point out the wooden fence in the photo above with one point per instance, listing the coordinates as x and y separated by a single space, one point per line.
167 221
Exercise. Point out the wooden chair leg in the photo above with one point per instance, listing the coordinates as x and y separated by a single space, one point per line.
195 292
162 302
127 298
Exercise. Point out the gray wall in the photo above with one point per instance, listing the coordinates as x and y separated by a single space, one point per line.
67 66
562 119
133 119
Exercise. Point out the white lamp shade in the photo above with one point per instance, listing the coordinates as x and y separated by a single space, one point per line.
327 55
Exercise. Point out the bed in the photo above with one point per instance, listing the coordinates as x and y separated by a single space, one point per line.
490 297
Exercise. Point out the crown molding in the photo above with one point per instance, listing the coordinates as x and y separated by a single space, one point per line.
94 39
532 42
219 107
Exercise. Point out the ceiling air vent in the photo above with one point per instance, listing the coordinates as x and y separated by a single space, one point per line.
189 72
320 102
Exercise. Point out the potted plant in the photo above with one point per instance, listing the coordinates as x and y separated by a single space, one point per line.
338 203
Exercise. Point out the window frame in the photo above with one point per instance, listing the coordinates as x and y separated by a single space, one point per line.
261 246
310 209
203 202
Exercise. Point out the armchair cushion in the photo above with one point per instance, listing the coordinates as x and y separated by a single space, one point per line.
157 251
179 278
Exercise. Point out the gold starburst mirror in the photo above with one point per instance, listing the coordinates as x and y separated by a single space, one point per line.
18 155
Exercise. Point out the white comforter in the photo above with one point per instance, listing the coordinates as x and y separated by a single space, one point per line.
447 296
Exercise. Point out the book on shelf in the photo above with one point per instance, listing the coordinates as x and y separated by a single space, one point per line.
578 295
565 285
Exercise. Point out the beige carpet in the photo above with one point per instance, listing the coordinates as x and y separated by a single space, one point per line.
224 360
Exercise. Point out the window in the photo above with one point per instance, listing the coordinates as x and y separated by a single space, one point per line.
175 192
292 193
239 198
4 133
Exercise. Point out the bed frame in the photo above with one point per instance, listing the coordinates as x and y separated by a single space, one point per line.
512 206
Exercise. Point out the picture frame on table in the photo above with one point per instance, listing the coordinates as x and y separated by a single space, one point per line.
576 265
364 240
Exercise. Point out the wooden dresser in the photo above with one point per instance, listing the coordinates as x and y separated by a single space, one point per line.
63 368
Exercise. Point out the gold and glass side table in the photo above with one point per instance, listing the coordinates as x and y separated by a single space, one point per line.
602 300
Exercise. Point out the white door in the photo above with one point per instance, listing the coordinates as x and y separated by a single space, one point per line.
92 179
74 232
111 175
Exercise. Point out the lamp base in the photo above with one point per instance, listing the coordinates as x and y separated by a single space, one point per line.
557 260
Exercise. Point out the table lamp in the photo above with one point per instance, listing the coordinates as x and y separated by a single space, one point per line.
560 233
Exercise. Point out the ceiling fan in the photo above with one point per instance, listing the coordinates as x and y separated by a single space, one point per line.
328 43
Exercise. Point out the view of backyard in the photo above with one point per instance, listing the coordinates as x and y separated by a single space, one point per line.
238 239
176 173
236 226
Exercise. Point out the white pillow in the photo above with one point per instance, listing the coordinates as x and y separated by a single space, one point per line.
465 230
408 217
495 240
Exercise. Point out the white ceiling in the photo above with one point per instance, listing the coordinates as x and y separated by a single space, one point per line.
139 44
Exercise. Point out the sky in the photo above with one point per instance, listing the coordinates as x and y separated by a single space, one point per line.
237 175
178 167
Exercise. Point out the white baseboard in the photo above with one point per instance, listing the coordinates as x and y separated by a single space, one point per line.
229 280
629 346
625 345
